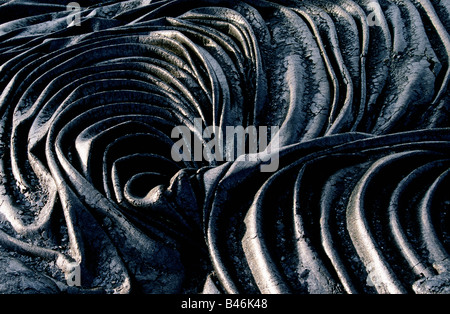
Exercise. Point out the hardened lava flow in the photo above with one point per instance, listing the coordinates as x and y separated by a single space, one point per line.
92 200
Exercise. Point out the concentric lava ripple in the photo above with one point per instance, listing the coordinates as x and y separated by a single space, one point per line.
92 200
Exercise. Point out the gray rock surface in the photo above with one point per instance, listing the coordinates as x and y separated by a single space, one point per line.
92 199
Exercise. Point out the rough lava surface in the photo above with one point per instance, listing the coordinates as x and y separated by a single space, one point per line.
90 93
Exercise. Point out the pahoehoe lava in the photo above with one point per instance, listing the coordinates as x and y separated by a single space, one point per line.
359 91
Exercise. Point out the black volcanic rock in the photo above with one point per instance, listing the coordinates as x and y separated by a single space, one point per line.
352 97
